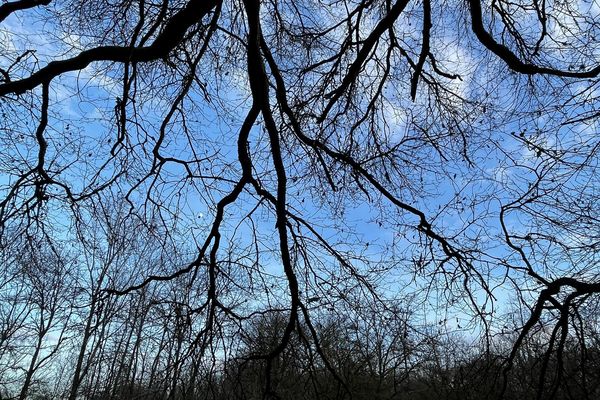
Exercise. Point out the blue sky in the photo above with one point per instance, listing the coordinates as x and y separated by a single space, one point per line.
462 198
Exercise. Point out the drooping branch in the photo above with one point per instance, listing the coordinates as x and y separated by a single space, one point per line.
167 40
260 93
228 199
424 225
424 48
510 58
548 295
12 6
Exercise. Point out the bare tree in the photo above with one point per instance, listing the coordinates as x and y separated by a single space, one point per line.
315 155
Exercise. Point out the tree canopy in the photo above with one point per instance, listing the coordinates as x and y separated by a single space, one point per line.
239 183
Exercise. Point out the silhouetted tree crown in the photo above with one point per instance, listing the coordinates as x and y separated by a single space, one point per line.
299 199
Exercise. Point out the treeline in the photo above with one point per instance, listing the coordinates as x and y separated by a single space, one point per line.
134 347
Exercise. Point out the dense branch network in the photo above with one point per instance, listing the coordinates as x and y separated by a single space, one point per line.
316 93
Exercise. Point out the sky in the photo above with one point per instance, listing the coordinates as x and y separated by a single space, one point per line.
506 122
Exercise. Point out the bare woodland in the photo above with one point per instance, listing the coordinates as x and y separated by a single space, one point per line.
299 199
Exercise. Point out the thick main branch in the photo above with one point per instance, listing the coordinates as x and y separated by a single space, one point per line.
167 40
